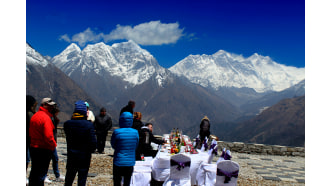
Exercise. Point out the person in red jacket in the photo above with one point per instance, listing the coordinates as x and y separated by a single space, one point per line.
42 142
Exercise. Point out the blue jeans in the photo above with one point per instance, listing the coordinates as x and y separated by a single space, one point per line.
27 157
40 159
55 163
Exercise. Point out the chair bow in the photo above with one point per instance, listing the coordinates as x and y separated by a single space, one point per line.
180 164
205 143
225 155
196 141
227 175
213 145
215 151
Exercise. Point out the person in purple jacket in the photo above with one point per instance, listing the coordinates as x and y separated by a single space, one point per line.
124 141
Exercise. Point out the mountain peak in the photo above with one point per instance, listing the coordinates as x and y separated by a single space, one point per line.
73 46
132 46
220 52
126 60
224 69
34 58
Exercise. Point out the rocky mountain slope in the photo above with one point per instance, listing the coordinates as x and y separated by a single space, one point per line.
44 79
281 124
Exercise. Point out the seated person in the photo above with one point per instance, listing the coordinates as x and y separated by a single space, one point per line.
146 137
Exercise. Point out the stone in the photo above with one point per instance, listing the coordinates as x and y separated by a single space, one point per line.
271 178
91 175
283 149
300 180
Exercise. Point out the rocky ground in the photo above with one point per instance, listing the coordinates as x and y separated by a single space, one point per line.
254 169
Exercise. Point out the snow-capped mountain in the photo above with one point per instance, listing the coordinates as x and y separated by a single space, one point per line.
112 75
125 60
34 58
224 69
44 79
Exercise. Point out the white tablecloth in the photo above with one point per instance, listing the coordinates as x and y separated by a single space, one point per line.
161 165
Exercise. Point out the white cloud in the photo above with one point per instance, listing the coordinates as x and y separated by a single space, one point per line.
151 33
65 37
87 36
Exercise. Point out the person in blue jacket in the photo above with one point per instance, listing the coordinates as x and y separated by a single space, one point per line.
124 141
81 142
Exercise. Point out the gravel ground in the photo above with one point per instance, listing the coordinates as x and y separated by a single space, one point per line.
254 169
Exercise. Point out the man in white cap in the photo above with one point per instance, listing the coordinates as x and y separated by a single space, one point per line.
42 143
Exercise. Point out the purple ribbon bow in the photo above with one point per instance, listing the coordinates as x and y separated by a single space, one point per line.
227 175
215 151
213 145
197 141
225 155
205 144
180 164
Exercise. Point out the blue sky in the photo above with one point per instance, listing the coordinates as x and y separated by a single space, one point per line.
171 30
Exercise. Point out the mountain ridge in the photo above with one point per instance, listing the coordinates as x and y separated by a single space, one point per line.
112 75
224 69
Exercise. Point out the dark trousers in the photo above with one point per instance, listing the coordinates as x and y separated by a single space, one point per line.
77 162
119 172
40 159
101 138
71 174
54 159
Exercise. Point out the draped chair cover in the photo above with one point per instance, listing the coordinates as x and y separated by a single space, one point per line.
142 173
179 171
227 173
206 174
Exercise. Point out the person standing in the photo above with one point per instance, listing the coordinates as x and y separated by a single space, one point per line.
31 104
137 125
124 141
128 108
81 142
204 130
90 114
54 158
42 142
146 137
103 124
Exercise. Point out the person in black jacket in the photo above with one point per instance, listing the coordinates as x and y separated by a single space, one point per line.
137 125
103 124
146 137
31 104
81 142
128 108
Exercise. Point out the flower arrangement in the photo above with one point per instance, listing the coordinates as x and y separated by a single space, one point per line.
180 143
